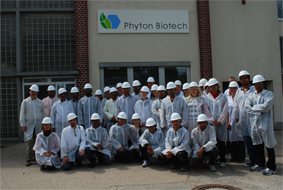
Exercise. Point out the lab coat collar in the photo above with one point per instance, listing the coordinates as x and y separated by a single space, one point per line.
95 128
31 98
127 96
261 93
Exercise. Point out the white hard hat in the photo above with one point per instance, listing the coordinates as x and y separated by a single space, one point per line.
98 92
202 81
144 89
119 85
126 85
186 86
154 87
193 84
206 84
51 88
233 84
95 116
212 82
107 88
150 122
47 120
136 83
136 116
243 72
34 88
175 116
122 115
170 85
75 90
258 78
150 79
202 117
113 89
71 116
87 86
177 82
61 91
160 88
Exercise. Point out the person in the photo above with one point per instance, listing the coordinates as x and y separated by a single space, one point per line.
31 114
143 106
196 104
60 111
207 89
241 115
203 140
49 100
230 80
156 105
171 104
178 89
73 143
237 142
47 146
87 106
217 115
186 90
154 94
109 109
75 93
202 85
137 88
119 88
177 144
96 142
152 143
259 106
150 81
98 94
119 136
126 103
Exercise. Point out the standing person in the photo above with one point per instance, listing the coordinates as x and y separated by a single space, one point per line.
156 105
60 111
217 114
107 97
119 88
178 89
137 88
87 106
31 114
186 90
150 82
202 85
154 94
170 105
242 116
98 94
49 100
72 143
126 103
109 108
207 89
230 80
75 101
238 151
259 105
47 146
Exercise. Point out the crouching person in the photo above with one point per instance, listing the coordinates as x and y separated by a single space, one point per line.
177 144
203 142
97 139
72 143
47 146
151 143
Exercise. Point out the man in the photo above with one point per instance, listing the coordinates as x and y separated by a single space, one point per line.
178 89
172 104
202 84
87 106
97 139
75 101
151 143
109 108
72 144
98 94
137 87
230 80
259 105
126 103
49 100
150 82
31 114
60 111
107 96
156 105
119 88
241 115
204 142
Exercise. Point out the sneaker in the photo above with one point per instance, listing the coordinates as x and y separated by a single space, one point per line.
248 164
145 164
42 167
92 165
173 166
28 163
257 168
212 168
184 168
268 171
222 164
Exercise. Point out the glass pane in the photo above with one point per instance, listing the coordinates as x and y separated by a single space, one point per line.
68 88
35 80
142 74
113 75
42 91
62 79
175 73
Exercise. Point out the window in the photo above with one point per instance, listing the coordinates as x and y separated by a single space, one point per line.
280 7
142 73
176 73
113 75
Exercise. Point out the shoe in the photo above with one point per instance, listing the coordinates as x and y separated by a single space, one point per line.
28 163
257 168
222 164
173 166
92 165
78 164
145 164
268 171
248 164
42 167
212 168
184 168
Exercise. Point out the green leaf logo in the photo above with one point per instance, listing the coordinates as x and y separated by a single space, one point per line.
105 22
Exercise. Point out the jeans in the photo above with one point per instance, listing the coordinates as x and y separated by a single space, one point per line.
93 154
260 157
30 154
212 157
250 148
221 148
238 151
124 156
79 160
181 158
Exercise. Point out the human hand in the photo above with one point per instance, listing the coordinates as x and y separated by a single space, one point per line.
24 128
65 159
81 152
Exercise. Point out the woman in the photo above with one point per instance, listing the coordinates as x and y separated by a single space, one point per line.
154 95
186 90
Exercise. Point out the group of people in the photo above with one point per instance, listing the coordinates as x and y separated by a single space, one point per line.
154 124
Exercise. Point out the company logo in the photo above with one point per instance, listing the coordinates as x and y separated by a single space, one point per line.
111 22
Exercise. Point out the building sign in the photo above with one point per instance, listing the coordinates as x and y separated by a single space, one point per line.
143 21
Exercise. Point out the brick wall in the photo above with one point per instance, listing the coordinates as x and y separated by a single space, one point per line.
81 41
204 39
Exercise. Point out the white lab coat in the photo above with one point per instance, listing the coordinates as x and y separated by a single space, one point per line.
71 141
181 94
134 133
31 115
121 135
143 108
109 112
218 109
47 144
205 138
75 106
126 104
59 113
156 141
261 118
233 135
156 105
48 103
138 96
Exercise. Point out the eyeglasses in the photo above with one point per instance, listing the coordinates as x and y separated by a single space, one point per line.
259 83
242 78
